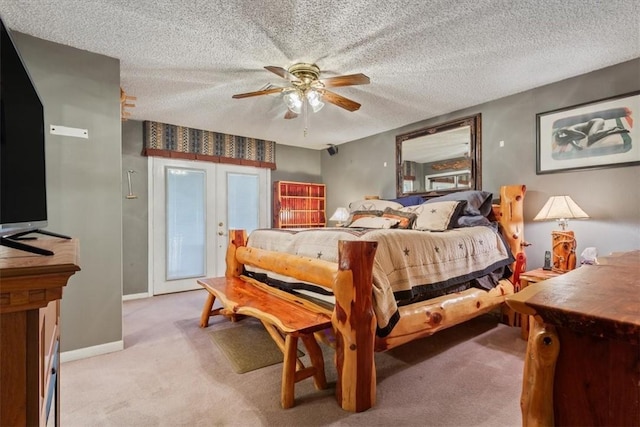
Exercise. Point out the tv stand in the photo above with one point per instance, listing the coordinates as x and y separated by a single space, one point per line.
12 241
31 289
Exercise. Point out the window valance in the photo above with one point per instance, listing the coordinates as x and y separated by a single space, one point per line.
164 140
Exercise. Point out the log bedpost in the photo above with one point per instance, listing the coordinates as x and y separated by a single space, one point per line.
354 323
237 238
512 216
511 219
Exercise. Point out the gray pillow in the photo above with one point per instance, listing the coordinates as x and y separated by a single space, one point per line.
478 202
472 221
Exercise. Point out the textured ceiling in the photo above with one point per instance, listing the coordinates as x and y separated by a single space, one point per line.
184 59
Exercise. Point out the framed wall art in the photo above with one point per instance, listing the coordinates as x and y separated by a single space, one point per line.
603 133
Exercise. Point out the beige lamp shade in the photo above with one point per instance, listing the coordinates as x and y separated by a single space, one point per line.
341 214
560 208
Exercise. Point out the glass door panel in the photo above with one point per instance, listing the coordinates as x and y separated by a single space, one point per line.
186 223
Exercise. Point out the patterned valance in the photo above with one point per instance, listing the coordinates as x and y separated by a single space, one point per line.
165 140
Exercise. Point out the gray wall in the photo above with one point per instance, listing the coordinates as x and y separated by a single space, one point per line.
605 194
135 212
296 164
81 89
363 167
610 196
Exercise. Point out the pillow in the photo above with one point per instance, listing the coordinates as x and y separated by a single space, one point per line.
363 214
405 219
436 216
373 204
409 200
374 222
478 202
472 221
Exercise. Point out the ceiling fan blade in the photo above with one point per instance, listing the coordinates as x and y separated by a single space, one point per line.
259 92
347 80
282 73
340 100
290 114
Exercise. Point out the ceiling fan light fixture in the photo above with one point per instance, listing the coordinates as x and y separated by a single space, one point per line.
307 90
317 107
313 98
293 100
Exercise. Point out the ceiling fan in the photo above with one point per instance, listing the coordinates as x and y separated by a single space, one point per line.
308 89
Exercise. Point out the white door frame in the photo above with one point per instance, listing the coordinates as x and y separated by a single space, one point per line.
215 254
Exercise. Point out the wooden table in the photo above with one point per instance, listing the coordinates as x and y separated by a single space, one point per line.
526 278
30 292
583 356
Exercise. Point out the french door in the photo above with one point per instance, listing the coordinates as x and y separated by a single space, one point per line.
192 207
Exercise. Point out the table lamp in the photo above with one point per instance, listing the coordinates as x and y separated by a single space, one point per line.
341 214
563 242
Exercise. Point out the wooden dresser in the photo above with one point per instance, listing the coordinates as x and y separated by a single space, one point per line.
30 292
583 356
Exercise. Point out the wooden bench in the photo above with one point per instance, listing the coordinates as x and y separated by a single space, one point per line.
285 320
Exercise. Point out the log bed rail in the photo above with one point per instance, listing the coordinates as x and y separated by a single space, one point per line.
353 319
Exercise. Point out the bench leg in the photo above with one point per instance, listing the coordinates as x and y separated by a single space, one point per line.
317 361
278 338
291 375
206 310
287 397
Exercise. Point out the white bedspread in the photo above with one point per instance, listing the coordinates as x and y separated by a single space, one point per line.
406 261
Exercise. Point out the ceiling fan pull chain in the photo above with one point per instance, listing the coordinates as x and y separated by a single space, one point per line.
305 110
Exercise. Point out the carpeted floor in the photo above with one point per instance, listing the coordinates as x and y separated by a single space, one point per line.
170 374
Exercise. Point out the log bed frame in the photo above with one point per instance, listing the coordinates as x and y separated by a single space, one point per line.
352 319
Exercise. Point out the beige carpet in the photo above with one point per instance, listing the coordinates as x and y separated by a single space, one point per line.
171 374
248 346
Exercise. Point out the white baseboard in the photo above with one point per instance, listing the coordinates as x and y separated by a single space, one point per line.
135 296
96 350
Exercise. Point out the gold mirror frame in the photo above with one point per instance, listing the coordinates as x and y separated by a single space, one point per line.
468 167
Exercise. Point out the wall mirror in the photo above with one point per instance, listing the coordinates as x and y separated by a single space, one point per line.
439 159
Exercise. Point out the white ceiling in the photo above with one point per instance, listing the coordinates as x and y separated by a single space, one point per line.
184 59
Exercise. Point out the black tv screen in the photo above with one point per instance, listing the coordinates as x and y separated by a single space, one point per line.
23 198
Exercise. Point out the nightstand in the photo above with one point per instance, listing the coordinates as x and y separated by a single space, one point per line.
532 276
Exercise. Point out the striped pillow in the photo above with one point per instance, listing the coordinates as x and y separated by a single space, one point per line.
405 219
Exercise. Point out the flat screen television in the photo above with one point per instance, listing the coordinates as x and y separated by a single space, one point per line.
23 191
